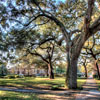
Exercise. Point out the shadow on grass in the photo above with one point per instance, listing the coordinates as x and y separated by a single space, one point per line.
81 78
11 98
19 98
36 83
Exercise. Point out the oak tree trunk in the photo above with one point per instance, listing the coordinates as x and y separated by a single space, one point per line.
18 71
85 71
47 72
71 75
24 71
72 58
2 72
51 74
98 72
28 73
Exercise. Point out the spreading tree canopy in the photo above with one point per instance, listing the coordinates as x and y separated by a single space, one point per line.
76 23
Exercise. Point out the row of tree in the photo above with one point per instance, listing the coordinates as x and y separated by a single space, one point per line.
29 24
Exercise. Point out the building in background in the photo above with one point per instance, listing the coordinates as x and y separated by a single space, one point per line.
28 71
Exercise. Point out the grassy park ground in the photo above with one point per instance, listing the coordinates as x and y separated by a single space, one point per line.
7 95
98 82
31 83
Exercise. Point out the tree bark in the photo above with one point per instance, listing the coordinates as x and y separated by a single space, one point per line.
2 72
73 54
98 72
74 49
47 72
71 75
18 71
85 71
24 71
28 72
51 74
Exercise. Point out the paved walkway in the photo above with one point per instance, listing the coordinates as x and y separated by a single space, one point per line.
89 92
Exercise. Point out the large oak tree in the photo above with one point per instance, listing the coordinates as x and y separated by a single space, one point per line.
76 23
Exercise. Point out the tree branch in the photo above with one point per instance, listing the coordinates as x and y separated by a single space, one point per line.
37 54
74 31
95 26
46 40
60 41
87 19
52 51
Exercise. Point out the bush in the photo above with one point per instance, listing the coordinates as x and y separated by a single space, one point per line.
3 71
57 87
13 76
60 75
95 76
2 76
6 76
20 76
9 76
30 75
79 88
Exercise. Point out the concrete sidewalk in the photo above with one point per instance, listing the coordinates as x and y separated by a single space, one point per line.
89 92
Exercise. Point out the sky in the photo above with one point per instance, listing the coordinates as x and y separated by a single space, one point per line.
61 0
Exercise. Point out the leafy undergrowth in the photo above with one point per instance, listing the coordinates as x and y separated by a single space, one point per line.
7 95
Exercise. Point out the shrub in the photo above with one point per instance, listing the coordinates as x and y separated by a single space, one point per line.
2 76
6 76
16 76
30 75
95 76
55 87
19 76
3 70
11 76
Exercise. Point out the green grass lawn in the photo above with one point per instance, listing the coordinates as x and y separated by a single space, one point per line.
30 82
27 82
7 95
80 83
98 82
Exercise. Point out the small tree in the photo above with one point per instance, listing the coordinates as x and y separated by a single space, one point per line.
47 56
93 50
3 70
83 61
